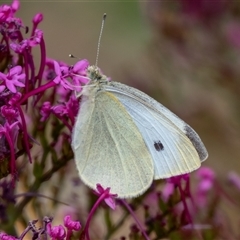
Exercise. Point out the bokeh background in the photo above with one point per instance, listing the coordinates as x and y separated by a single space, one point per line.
184 53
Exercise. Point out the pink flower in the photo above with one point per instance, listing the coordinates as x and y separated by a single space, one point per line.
7 129
28 43
80 67
104 194
68 109
37 18
109 198
72 106
206 178
78 72
15 5
5 12
36 38
13 78
49 73
56 232
10 113
8 11
45 111
62 74
167 191
63 93
70 224
2 87
15 98
171 184
19 47
60 110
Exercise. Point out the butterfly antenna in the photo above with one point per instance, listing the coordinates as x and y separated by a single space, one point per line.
100 36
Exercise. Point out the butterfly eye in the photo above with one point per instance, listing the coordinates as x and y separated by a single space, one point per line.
158 146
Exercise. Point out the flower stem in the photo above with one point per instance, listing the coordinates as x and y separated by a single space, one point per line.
100 199
36 91
135 218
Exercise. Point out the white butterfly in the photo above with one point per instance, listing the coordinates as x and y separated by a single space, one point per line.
124 139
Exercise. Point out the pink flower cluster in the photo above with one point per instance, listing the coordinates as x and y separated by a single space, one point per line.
21 86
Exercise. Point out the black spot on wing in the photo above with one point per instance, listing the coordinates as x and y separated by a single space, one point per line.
197 142
158 146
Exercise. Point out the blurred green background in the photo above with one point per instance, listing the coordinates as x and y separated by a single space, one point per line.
184 55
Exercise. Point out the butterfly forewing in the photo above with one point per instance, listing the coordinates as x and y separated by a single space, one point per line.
108 147
174 146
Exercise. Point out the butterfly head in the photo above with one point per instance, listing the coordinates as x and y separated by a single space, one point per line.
95 75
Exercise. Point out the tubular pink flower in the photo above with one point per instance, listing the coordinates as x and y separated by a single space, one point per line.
10 113
13 78
80 67
5 12
72 106
8 11
206 178
19 47
177 179
36 38
15 5
60 110
37 18
45 111
205 173
49 73
63 111
2 87
28 43
171 184
167 191
109 198
15 98
78 72
62 74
